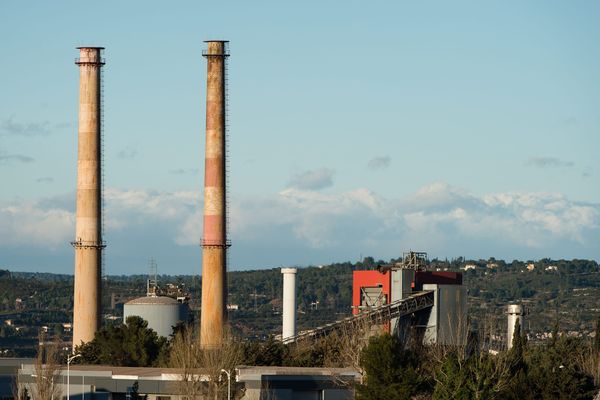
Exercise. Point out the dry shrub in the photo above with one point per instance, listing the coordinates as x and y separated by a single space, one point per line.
46 370
590 364
201 369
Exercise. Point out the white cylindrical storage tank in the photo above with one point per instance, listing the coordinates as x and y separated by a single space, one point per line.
515 313
162 313
289 304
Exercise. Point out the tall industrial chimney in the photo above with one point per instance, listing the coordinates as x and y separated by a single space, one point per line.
88 242
515 313
289 304
214 240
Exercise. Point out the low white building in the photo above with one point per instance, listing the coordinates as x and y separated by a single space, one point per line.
101 382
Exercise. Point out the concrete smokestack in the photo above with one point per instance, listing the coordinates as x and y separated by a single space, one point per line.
515 313
214 240
88 242
289 304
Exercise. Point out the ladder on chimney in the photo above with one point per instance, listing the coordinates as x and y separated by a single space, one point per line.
102 182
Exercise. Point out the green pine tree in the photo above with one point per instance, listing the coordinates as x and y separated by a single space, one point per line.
392 373
554 372
516 359
132 344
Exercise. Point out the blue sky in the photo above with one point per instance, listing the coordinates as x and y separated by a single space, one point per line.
458 128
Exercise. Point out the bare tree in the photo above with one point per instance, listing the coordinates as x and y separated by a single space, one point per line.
349 342
201 369
340 348
46 370
19 390
185 355
500 376
490 370
224 357
434 353
590 364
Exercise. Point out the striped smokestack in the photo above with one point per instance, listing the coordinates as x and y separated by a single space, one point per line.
88 242
214 240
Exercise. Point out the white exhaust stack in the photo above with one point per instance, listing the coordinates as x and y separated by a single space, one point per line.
289 304
515 313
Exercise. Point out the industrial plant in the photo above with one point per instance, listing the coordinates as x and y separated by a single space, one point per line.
406 299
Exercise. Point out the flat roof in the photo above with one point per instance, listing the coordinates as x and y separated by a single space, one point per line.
273 370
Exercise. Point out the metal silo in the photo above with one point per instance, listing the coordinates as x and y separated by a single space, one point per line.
161 312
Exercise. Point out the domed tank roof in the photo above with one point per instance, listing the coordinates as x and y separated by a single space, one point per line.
153 300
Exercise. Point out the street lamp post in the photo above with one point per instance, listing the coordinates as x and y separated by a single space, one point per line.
69 359
228 383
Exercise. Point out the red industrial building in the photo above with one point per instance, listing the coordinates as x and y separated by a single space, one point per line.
379 282
389 284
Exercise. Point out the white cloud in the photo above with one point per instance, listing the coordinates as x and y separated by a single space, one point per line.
436 215
27 224
381 162
127 153
127 207
6 159
184 171
45 179
302 226
312 180
545 162
11 127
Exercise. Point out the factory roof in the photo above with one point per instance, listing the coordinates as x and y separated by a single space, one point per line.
273 370
153 300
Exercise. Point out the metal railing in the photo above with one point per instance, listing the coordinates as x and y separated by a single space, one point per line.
88 244
98 61
215 243
376 315
206 53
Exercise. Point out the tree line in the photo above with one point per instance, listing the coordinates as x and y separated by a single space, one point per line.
389 367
